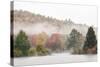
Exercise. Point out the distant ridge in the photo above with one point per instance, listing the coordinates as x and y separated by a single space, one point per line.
28 19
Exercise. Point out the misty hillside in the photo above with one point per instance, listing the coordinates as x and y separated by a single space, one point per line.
33 23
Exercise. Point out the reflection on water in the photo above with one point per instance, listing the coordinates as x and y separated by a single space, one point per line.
54 59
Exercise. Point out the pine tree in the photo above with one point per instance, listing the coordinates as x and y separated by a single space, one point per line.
75 41
22 43
74 38
91 41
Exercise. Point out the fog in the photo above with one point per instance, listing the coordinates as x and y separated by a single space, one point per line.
37 28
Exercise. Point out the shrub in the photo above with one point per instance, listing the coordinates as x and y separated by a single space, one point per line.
32 52
17 53
41 50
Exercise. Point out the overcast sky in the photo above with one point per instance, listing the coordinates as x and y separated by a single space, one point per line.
78 13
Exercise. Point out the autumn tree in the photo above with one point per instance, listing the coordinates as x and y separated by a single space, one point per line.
40 44
54 42
41 38
90 45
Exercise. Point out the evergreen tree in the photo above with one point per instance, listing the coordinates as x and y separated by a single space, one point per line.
75 41
22 43
90 41
75 38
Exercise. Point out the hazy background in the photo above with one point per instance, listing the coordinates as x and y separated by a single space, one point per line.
80 14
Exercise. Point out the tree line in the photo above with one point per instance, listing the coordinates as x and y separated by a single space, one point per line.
76 44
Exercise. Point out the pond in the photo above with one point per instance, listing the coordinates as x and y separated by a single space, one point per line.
55 58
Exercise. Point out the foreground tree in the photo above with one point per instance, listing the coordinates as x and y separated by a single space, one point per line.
22 44
75 42
90 45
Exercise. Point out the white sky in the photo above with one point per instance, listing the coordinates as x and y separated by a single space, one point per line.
78 13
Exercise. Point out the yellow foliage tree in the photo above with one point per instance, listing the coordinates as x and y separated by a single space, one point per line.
41 38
